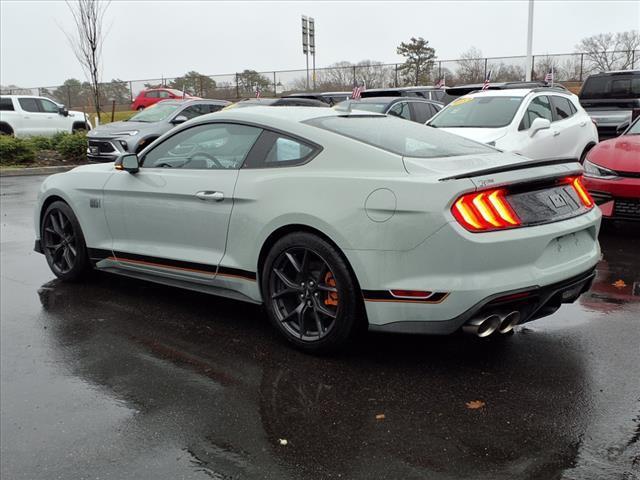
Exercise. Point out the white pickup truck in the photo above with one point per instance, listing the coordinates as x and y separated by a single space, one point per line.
25 115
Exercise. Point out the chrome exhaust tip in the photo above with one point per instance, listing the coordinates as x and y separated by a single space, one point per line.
509 321
482 326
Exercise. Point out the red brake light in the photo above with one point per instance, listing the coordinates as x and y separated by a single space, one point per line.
484 211
578 186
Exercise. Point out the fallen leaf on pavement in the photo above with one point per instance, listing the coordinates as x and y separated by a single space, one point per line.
283 441
475 404
619 284
380 416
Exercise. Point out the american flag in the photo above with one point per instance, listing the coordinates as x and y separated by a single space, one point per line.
487 81
441 83
548 78
356 93
258 91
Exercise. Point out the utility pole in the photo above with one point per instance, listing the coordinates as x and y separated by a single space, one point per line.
312 47
529 66
305 44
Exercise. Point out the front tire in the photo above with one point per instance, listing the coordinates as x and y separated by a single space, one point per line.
310 295
63 243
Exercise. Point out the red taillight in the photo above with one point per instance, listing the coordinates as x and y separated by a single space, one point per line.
578 186
483 211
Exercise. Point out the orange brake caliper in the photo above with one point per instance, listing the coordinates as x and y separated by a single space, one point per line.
332 297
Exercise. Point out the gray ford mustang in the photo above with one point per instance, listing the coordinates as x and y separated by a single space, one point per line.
334 220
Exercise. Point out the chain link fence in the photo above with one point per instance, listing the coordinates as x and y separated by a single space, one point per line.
572 67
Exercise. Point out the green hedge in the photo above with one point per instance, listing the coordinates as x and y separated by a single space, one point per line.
72 146
14 151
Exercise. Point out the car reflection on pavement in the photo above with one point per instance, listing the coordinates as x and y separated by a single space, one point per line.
225 391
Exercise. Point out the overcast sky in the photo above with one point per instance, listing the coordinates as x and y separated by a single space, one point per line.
149 39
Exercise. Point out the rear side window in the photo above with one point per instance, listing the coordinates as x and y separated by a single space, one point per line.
400 137
401 109
29 104
612 86
152 95
6 104
561 107
276 150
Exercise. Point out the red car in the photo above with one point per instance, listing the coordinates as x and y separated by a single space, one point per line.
154 95
612 174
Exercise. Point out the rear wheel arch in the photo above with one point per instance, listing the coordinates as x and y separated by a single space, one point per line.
295 228
6 129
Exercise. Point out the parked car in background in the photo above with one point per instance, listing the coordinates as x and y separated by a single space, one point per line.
538 123
106 142
429 93
25 115
331 98
151 96
612 174
410 108
278 102
611 98
335 221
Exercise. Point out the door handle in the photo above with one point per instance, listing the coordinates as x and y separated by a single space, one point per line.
210 196
556 133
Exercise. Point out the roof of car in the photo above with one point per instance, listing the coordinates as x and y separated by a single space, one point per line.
515 92
186 101
403 89
315 94
392 98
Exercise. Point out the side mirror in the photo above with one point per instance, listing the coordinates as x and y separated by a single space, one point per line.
179 119
128 162
622 127
539 124
62 110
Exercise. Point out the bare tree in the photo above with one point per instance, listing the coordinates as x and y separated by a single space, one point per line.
87 41
470 66
608 51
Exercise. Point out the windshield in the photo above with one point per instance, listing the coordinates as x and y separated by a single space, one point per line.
399 136
478 112
155 113
367 107
612 86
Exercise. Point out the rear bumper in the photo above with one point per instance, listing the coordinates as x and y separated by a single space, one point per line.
468 270
533 303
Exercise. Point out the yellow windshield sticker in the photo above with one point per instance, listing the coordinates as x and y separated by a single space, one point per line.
462 100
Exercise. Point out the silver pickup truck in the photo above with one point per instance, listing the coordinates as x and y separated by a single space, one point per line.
611 99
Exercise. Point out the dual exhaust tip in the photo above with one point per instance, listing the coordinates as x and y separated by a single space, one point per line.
488 324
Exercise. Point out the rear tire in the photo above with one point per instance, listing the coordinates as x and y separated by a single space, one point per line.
310 294
63 243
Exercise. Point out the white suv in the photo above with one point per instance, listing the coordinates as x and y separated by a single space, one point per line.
25 115
538 123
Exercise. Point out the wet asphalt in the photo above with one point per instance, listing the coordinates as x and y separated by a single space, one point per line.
121 379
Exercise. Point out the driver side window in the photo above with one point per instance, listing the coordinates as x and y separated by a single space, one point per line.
214 146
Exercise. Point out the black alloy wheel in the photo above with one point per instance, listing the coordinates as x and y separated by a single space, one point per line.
63 243
310 293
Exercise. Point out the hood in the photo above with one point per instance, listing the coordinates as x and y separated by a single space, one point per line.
109 129
92 167
482 135
621 154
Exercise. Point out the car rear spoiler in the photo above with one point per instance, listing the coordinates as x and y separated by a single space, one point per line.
513 166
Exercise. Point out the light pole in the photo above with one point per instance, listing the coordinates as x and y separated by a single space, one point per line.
529 66
305 44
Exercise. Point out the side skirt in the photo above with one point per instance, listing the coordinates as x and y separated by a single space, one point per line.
111 267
